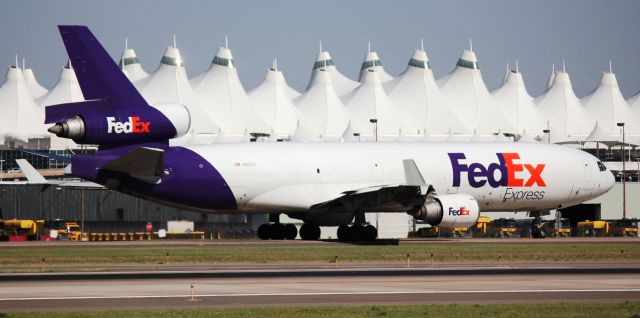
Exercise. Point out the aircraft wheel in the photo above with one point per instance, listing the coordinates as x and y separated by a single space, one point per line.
370 233
277 231
539 233
264 231
356 233
343 233
310 232
290 232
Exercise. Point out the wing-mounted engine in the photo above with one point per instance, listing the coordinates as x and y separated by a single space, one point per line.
448 211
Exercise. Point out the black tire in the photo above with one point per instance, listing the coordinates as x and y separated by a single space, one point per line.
370 233
277 231
290 232
539 233
264 231
310 232
343 233
356 233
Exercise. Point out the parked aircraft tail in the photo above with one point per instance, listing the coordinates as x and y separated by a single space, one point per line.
114 113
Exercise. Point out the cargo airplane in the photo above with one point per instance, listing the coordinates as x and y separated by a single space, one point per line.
322 184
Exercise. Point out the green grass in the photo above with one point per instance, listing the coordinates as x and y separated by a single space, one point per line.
565 310
211 254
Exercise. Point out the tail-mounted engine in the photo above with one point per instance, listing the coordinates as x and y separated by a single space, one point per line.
120 126
114 113
448 211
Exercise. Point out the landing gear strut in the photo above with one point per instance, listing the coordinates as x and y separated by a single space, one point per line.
277 230
537 226
359 231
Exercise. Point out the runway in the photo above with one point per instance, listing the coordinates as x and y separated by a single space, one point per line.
270 287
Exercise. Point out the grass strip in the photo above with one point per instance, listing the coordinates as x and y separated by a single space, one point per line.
211 254
568 310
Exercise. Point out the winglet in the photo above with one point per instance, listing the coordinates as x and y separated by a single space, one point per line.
33 176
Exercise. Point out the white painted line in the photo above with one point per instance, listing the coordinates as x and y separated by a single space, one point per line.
329 294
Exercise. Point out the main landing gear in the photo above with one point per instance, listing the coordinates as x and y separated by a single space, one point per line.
277 231
359 231
274 230
309 232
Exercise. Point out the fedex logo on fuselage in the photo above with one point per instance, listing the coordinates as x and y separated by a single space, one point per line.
462 212
507 172
133 126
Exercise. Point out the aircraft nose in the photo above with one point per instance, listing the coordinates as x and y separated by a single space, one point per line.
609 181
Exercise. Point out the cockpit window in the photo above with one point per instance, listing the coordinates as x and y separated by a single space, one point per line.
601 166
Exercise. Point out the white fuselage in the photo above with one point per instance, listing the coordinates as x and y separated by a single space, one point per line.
294 176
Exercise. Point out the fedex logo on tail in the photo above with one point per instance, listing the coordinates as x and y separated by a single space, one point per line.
509 171
133 126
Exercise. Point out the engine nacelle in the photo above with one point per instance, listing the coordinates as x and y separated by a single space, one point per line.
449 211
125 126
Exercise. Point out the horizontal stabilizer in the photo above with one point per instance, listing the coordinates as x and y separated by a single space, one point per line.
145 164
32 175
48 155
60 112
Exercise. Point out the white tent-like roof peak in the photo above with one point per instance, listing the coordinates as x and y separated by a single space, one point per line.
172 57
420 55
468 59
372 61
341 83
35 89
323 56
224 53
562 78
130 65
67 90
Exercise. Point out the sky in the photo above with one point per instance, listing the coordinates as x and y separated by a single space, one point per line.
585 34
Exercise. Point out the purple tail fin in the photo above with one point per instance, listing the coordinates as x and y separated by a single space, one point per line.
99 76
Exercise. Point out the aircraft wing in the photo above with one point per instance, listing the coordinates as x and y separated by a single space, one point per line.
369 196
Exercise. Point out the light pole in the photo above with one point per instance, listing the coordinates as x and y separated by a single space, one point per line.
548 132
624 178
357 135
375 122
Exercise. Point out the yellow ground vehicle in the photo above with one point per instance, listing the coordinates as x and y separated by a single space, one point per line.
481 229
29 228
503 228
558 229
593 228
66 229
624 227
